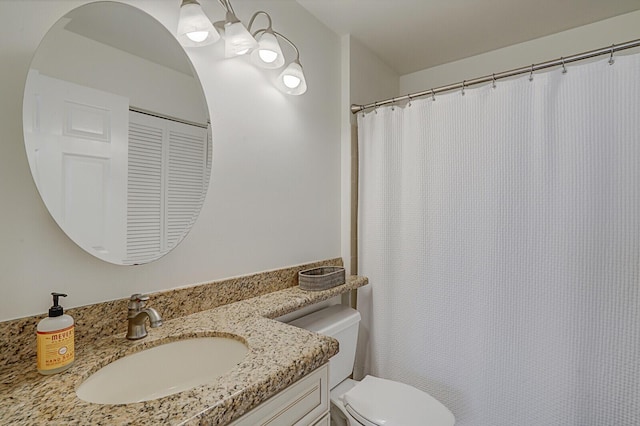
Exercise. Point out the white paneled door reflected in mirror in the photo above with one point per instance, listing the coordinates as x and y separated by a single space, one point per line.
117 132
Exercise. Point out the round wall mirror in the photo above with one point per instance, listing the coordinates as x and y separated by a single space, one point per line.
117 132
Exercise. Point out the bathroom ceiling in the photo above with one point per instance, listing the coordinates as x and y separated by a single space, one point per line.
411 35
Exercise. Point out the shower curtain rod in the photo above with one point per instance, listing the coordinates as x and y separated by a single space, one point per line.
504 74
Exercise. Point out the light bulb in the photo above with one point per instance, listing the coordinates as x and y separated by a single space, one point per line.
198 36
291 81
267 56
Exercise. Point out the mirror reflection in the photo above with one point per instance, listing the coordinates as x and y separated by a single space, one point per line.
117 132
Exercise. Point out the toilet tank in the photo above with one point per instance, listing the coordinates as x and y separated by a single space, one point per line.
341 323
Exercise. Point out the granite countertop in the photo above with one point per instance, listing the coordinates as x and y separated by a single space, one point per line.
278 356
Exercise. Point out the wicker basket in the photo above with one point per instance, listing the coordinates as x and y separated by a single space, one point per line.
321 278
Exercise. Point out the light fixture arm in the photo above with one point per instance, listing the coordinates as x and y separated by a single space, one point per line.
292 45
261 30
230 17
255 15
227 6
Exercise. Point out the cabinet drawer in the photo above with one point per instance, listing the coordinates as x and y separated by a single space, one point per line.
300 404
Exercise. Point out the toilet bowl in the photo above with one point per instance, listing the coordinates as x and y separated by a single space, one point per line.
372 401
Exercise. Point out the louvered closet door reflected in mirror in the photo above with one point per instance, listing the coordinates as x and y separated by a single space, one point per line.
167 171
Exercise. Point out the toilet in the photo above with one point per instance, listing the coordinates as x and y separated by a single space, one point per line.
372 401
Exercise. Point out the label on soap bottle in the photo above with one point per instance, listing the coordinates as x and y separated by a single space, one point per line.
55 348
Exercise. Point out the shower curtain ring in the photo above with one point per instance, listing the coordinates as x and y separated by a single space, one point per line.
375 107
493 80
409 103
531 74
433 95
564 69
393 104
463 81
611 60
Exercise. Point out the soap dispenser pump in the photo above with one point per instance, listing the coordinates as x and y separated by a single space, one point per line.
55 340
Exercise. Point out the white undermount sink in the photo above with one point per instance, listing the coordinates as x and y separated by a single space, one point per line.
162 370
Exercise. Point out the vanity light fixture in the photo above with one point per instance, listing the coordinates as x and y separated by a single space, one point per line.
194 27
237 39
291 80
263 44
268 54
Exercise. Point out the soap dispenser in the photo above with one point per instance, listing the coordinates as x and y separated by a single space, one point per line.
55 336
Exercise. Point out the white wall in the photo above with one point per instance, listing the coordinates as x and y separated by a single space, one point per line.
274 198
345 154
588 37
365 78
371 79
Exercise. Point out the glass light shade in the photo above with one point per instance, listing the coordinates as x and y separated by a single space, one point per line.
291 81
238 40
268 54
194 28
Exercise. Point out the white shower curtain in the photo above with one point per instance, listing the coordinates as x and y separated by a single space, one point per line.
500 231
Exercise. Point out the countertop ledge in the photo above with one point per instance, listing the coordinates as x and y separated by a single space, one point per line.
278 356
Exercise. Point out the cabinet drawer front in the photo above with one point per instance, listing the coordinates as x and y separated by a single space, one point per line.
300 404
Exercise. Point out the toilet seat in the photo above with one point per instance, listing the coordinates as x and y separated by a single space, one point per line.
380 402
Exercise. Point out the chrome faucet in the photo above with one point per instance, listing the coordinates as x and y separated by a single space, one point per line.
138 314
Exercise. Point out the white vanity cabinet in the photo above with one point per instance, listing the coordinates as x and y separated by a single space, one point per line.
305 403
324 421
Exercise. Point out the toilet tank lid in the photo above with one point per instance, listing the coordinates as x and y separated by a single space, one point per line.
328 321
378 402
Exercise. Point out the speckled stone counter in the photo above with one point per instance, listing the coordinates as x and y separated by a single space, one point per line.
110 318
278 356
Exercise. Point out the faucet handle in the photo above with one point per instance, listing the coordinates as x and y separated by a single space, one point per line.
139 297
137 301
